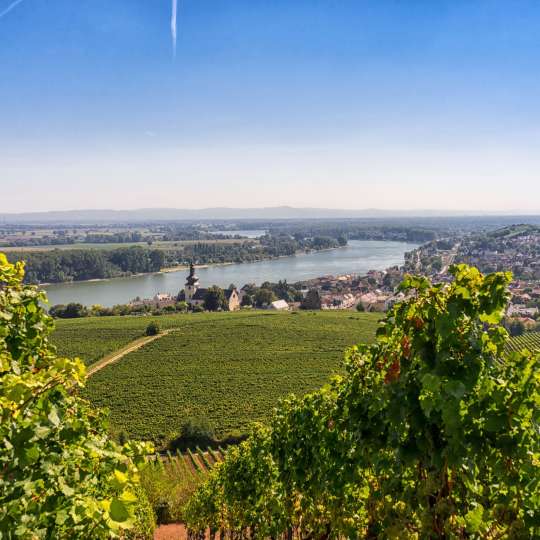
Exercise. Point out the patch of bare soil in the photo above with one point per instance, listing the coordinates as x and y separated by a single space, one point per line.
174 531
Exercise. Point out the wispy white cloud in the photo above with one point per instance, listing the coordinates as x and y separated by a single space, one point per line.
10 7
173 26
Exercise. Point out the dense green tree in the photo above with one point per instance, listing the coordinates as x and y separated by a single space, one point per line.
264 297
312 300
214 299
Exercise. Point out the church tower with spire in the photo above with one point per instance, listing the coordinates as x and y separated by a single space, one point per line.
192 284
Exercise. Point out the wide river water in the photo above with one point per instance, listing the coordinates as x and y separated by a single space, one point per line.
358 256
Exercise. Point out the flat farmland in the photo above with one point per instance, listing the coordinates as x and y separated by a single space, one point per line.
164 245
229 369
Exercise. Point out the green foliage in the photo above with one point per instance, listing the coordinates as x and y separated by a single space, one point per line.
71 311
432 433
230 368
312 300
145 517
214 299
263 297
80 264
194 432
170 480
62 477
247 300
152 329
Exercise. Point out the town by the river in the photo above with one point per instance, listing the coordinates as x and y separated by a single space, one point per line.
359 256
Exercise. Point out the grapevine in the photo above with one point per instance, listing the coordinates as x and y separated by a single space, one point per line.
433 432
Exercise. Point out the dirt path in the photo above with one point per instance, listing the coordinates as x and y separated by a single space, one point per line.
120 353
175 531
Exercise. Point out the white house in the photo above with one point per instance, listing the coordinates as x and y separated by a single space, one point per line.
279 305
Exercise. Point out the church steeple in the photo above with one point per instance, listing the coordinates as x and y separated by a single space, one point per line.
192 279
192 284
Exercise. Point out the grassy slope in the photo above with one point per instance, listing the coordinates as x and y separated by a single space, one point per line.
229 368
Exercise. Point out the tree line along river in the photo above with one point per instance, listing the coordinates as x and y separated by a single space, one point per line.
359 256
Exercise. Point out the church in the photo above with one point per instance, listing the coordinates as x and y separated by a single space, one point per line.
194 295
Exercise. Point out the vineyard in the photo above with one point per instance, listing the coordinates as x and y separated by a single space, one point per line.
427 435
529 341
92 338
169 479
229 368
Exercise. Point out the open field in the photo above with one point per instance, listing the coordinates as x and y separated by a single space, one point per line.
228 368
173 244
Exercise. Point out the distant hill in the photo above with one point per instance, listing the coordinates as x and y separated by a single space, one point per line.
220 213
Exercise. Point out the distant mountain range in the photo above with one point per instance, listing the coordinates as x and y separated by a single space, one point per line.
222 213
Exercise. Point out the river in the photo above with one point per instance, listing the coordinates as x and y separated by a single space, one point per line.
358 256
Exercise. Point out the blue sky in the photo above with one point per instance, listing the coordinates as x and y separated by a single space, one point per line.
334 103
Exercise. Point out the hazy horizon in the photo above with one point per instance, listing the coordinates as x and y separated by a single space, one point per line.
286 212
373 104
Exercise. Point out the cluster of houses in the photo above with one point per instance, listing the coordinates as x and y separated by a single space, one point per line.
524 302
194 295
375 291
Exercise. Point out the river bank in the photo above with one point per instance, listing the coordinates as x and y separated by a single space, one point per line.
359 256
185 267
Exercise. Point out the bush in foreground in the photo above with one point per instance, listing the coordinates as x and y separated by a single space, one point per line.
194 432
432 433
61 476
152 329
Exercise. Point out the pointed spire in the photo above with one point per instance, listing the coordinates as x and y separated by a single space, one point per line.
192 279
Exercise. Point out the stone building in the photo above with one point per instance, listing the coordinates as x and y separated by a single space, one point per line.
194 295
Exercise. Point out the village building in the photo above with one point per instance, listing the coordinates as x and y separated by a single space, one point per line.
279 305
194 295
158 301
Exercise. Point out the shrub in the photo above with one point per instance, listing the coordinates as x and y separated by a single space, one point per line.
152 329
182 306
194 432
